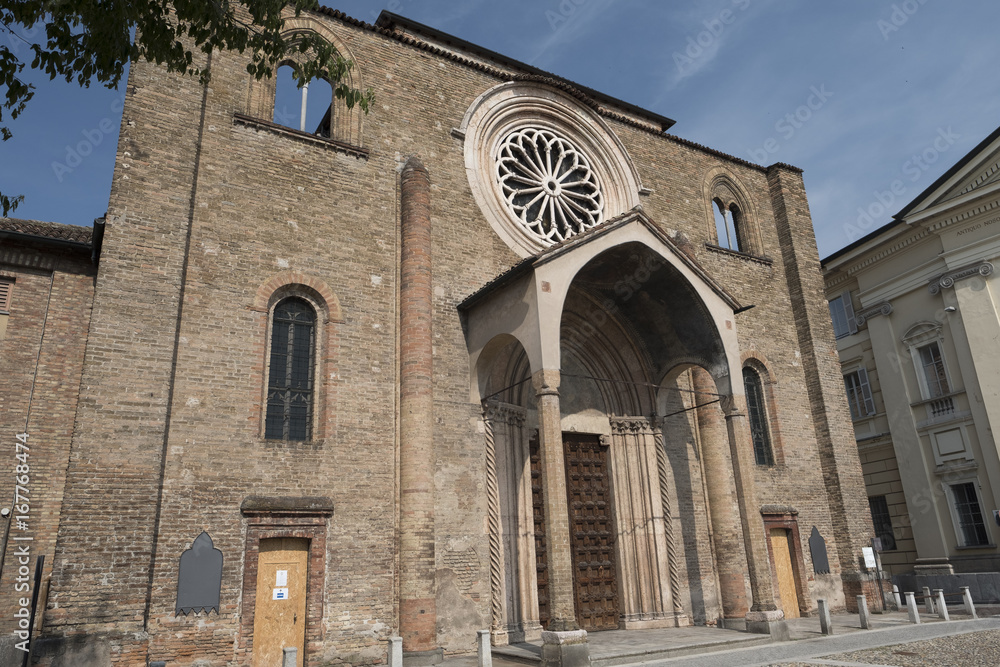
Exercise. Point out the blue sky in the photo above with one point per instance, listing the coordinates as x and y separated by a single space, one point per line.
850 91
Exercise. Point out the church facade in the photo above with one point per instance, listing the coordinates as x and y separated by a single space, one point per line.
501 354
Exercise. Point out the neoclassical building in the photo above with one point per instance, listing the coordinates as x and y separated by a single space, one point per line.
502 354
915 314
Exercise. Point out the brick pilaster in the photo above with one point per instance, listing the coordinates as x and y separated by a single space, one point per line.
417 605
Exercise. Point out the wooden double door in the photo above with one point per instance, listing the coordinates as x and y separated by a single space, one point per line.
592 532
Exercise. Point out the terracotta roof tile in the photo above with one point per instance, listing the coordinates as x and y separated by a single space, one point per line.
47 230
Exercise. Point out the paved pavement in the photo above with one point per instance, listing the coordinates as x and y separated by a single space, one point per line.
821 647
727 648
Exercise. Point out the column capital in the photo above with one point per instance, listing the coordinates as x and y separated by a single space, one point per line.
981 268
732 406
546 382
883 308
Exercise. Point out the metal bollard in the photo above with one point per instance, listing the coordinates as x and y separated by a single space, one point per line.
928 600
483 648
866 617
825 624
942 605
911 608
970 607
895 595
395 652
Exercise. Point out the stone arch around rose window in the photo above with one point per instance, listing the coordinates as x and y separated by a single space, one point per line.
518 113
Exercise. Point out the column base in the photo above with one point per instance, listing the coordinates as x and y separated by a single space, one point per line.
565 649
423 658
652 621
736 623
768 623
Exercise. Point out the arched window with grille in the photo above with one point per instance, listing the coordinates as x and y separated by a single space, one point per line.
290 385
757 413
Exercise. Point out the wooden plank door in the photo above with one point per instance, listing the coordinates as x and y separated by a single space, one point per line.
280 608
538 514
592 533
781 549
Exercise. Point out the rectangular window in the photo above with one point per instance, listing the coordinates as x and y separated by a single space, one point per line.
882 522
859 394
6 287
933 368
842 314
970 516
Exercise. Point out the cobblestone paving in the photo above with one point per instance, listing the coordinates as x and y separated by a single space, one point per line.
974 649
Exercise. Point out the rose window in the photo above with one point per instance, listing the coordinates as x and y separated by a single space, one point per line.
549 185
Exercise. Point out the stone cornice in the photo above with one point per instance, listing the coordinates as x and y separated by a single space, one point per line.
947 280
884 308
887 251
965 215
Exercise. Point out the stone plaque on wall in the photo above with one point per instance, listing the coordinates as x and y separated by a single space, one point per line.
199 580
817 547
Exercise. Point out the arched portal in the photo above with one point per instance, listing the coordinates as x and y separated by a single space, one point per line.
582 473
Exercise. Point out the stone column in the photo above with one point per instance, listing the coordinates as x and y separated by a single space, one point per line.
764 616
562 609
417 590
731 561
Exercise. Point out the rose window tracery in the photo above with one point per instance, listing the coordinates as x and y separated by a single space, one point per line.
548 185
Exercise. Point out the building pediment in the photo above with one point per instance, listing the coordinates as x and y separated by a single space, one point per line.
977 174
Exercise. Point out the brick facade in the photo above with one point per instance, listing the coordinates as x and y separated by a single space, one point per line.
217 214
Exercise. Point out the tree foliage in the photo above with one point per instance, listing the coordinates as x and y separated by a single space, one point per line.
84 41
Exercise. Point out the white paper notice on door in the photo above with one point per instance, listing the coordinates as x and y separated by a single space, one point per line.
281 578
280 594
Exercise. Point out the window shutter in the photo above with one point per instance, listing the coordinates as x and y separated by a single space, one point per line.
866 391
5 289
852 322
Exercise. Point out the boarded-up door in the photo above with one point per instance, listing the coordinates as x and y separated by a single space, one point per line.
592 533
280 610
787 590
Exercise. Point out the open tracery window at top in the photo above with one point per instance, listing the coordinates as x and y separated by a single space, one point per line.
548 185
290 386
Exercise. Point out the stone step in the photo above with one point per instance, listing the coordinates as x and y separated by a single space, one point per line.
531 654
